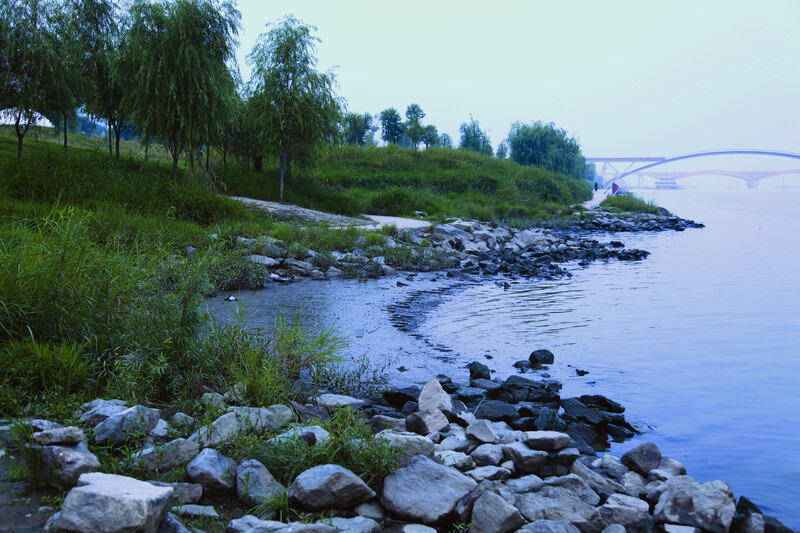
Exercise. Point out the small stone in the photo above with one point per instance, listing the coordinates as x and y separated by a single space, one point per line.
328 486
541 357
255 484
643 458
62 436
482 431
215 472
433 396
550 441
195 511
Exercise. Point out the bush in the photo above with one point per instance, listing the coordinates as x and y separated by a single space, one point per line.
632 204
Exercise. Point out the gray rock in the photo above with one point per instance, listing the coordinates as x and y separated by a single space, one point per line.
359 524
674 528
263 260
549 526
549 441
576 485
337 401
493 514
490 473
561 505
298 527
488 454
672 467
182 493
708 506
215 472
167 456
425 491
171 524
615 528
373 510
408 444
104 503
541 357
255 484
221 429
310 434
427 421
118 427
611 464
182 420
748 523
463 510
251 524
529 483
601 485
433 396
633 484
624 510
270 418
96 411
62 466
643 458
455 443
658 475
213 401
525 459
61 436
328 486
482 431
457 460
495 410
381 422
192 510
160 431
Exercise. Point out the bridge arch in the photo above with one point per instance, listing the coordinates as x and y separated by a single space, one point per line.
772 153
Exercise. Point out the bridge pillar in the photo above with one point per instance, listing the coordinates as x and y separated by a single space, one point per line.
752 184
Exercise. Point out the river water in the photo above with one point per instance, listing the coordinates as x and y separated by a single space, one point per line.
700 341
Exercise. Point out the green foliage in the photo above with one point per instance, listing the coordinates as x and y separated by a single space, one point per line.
413 127
232 271
179 52
474 139
546 146
392 127
356 127
351 445
293 106
632 204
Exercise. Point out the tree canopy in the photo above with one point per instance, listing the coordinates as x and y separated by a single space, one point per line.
414 129
294 105
356 127
392 128
474 138
546 146
182 85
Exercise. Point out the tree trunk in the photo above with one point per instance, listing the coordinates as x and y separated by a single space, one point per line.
258 163
280 193
20 134
146 148
117 133
110 152
65 130
208 157
224 156
175 156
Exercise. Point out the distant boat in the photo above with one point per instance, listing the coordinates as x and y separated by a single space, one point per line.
667 183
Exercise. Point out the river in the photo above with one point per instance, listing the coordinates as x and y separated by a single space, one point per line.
700 341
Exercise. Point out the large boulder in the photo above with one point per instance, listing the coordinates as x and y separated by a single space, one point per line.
493 514
408 445
221 429
426 421
94 412
624 510
425 491
561 505
708 506
215 472
174 453
525 459
549 441
62 466
117 428
60 436
643 458
327 487
433 396
106 503
255 484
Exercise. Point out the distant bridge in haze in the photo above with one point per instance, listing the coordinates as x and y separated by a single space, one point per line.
638 165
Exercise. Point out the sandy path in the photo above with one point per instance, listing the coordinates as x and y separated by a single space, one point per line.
599 196
294 212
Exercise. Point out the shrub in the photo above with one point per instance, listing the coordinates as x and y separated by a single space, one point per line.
632 204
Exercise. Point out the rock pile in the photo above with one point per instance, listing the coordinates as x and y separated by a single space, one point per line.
457 466
465 247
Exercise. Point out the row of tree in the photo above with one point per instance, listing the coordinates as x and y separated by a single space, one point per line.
166 69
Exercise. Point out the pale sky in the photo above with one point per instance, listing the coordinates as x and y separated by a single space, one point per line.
627 78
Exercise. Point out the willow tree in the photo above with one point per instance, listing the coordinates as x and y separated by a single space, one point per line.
180 87
546 146
34 71
293 105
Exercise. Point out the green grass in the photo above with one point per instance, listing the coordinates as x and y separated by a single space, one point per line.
632 204
395 181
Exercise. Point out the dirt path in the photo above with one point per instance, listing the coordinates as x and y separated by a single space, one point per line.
598 197
294 212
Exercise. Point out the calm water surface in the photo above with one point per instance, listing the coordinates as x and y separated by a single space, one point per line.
700 341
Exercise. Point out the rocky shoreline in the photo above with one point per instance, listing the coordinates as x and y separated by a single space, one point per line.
467 248
490 456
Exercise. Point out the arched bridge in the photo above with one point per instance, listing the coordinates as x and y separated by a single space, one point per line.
751 178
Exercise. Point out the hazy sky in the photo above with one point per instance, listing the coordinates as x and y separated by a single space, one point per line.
627 78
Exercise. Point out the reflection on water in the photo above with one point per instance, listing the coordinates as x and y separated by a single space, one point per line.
699 341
